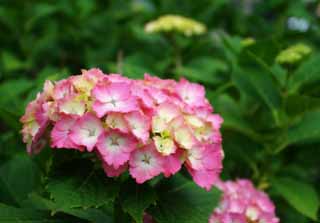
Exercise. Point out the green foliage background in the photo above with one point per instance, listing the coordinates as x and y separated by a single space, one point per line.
272 113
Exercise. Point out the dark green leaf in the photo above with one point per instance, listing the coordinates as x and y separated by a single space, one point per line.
92 214
74 192
182 201
18 177
302 196
9 214
306 129
260 86
307 73
136 198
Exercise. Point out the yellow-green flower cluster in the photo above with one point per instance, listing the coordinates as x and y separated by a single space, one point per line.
175 23
248 41
293 54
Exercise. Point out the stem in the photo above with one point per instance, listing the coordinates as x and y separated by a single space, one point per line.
176 51
120 62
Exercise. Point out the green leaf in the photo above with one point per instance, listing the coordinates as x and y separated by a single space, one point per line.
18 177
307 73
92 214
92 191
307 129
229 109
204 69
182 201
302 196
20 86
259 86
136 198
9 214
11 63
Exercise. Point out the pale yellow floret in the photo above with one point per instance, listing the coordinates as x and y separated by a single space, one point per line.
184 137
164 145
158 124
73 106
293 54
82 85
176 23
194 121
248 41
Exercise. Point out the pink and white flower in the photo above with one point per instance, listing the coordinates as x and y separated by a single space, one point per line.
192 94
139 125
150 126
145 163
115 147
113 97
60 134
242 202
86 131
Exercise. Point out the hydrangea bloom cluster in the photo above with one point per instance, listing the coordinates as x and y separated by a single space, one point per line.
176 23
148 126
293 54
241 202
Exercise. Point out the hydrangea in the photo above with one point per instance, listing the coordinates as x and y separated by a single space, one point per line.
293 54
176 23
148 126
241 202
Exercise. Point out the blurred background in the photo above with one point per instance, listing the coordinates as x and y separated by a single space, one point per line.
270 101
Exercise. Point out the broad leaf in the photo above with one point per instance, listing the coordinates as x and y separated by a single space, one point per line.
302 196
91 214
18 177
85 192
307 73
9 214
307 129
205 69
232 117
136 198
260 86
182 201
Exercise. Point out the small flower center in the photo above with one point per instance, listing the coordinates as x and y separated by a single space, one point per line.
114 141
146 159
113 102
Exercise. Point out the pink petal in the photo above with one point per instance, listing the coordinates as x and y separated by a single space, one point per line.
115 147
113 172
145 163
60 134
172 163
139 125
86 131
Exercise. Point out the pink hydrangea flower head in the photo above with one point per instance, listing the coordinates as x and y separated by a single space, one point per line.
86 131
115 147
242 202
113 97
145 163
148 126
